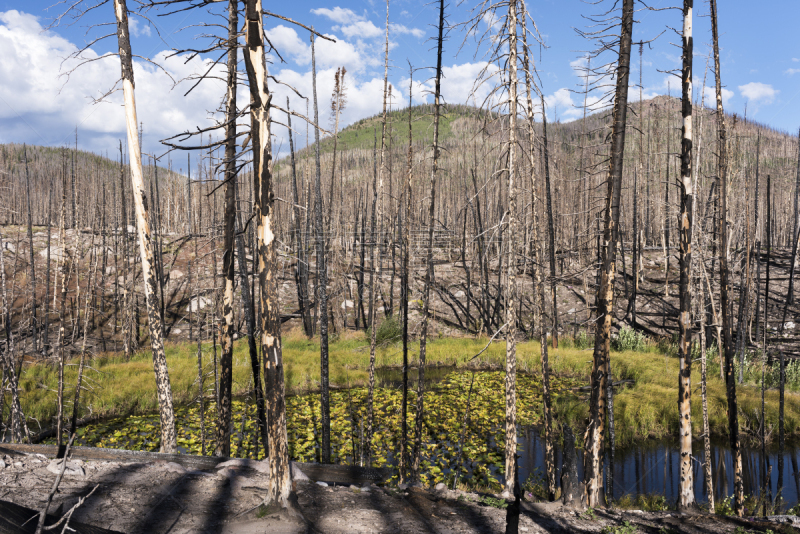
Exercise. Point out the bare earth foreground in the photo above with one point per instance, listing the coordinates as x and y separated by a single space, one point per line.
161 497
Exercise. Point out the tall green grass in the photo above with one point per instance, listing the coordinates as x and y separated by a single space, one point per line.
646 409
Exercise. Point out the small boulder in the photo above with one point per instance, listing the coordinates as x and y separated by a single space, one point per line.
297 474
323 484
73 468
2 464
440 487
172 467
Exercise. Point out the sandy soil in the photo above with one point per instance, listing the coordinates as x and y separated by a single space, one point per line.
163 497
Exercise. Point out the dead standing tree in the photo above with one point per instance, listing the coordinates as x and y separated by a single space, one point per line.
724 283
167 416
593 439
686 498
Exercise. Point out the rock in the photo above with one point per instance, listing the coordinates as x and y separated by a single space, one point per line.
261 467
110 269
354 488
459 294
176 331
297 474
56 253
572 490
73 468
9 247
440 487
323 484
172 467
788 326
2 464
174 274
571 310
402 487
17 465
347 304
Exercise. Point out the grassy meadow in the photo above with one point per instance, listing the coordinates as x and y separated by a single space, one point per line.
645 409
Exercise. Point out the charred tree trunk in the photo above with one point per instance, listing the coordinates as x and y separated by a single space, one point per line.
722 176
322 282
686 498
167 415
255 60
228 264
593 442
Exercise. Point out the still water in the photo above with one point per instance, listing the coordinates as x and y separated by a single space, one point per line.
652 467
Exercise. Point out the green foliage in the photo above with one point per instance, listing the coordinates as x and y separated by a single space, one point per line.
535 488
494 502
590 513
625 528
724 506
650 502
629 340
389 331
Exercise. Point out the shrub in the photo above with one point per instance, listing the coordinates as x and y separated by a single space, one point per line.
389 331
629 339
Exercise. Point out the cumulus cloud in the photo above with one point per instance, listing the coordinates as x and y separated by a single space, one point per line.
758 93
137 28
337 14
40 105
403 30
791 72
461 84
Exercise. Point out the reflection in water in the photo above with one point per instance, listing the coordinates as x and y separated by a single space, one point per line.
651 467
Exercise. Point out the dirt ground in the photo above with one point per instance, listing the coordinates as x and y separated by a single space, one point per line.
159 497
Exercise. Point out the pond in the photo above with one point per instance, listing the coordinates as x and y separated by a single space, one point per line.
652 467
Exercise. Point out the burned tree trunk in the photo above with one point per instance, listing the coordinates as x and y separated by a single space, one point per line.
686 498
593 441
167 415
255 60
722 177
228 265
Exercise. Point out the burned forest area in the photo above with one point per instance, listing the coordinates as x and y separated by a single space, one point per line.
444 317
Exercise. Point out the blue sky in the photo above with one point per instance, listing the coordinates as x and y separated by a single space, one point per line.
39 105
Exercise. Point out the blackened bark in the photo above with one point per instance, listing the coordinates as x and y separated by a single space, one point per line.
605 296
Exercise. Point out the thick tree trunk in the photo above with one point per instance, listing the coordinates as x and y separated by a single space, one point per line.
255 60
593 441
686 498
730 380
228 262
167 415
511 265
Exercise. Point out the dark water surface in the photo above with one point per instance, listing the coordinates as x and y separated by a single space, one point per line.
652 467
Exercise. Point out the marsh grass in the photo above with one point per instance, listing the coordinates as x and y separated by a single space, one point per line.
646 409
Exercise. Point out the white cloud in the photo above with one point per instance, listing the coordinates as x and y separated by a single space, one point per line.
403 30
361 28
758 93
39 106
791 72
337 14
710 96
137 28
795 59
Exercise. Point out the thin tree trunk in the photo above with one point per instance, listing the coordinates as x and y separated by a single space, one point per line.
322 284
426 292
722 170
168 437
551 240
228 263
32 281
376 275
605 297
404 288
704 392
